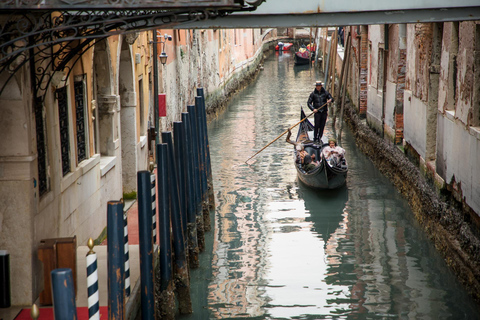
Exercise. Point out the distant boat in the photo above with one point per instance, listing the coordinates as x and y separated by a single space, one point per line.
326 175
303 56
283 46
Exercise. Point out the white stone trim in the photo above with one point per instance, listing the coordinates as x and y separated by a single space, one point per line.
143 141
106 164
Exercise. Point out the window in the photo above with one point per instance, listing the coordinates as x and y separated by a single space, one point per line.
80 112
452 68
62 99
142 107
42 160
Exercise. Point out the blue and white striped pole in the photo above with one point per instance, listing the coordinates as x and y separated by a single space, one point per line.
127 256
93 301
154 209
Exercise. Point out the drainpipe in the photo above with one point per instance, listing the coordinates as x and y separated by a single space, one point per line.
155 85
385 68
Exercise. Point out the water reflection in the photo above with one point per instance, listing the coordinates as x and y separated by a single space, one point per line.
282 251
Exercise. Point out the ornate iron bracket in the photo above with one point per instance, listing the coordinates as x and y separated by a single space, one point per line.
53 41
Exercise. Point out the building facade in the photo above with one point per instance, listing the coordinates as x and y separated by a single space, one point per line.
75 142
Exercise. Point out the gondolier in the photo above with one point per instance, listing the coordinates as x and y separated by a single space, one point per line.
318 103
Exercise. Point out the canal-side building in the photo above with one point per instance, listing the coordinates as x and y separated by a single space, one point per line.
418 85
74 139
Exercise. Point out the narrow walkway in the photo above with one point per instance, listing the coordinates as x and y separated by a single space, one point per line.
132 303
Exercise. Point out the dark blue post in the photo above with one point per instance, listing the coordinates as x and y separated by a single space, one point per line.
211 194
5 297
64 306
181 265
144 188
167 297
192 241
115 262
192 127
180 162
203 171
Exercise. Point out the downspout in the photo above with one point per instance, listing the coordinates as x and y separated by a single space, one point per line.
385 68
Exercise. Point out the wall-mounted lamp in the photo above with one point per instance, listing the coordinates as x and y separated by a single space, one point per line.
162 39
163 58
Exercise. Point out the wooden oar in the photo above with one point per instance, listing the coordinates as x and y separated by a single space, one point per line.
296 124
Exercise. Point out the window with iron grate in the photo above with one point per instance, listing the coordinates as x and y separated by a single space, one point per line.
41 135
79 87
62 99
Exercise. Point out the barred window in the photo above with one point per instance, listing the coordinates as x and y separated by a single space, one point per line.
79 87
41 133
62 99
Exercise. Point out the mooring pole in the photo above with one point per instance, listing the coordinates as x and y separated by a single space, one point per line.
144 188
93 301
192 242
180 162
211 194
196 177
115 262
166 309
64 306
127 255
182 281
203 172
199 106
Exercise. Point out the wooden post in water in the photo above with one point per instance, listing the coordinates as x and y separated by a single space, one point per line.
211 193
203 163
145 245
192 241
197 180
180 155
115 262
182 278
344 89
165 296
334 62
64 306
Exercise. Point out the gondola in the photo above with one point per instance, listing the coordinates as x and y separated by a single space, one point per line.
302 56
327 175
283 46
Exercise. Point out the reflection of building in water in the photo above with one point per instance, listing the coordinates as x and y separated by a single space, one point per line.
237 252
371 255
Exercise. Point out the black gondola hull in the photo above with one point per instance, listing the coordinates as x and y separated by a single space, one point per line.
324 176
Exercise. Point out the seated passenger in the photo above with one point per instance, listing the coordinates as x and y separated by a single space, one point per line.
308 165
332 152
298 146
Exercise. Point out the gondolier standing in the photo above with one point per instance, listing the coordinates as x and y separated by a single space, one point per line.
318 103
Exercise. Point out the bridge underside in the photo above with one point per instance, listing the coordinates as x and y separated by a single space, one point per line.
257 20
52 33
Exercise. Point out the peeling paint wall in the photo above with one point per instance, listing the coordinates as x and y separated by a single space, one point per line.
438 103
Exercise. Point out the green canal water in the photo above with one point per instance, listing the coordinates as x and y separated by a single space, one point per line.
279 250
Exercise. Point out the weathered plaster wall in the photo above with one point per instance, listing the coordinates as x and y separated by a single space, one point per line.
415 122
17 188
465 75
390 100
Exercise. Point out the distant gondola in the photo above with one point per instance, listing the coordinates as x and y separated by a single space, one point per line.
304 55
326 175
283 46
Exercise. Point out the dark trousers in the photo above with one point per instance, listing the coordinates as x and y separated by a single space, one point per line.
320 120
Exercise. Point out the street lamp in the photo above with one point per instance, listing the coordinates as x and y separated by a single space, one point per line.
158 38
163 56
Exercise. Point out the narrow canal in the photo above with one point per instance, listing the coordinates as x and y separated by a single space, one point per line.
280 250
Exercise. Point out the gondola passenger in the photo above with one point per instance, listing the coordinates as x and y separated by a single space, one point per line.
332 152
